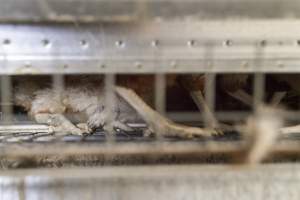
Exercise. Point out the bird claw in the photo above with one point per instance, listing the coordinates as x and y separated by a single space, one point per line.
84 127
69 130
217 132
116 125
122 126
206 132
220 129
58 123
148 132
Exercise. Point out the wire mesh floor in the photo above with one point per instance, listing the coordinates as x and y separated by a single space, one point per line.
35 150
31 135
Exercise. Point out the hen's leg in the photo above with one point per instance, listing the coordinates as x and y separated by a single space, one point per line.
277 98
58 122
247 99
194 85
156 122
242 96
290 130
199 100
84 127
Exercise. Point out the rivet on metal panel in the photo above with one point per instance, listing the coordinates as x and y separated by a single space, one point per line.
28 64
84 44
6 41
174 64
102 66
209 64
120 43
46 43
138 65
280 64
191 43
263 43
228 43
154 43
245 64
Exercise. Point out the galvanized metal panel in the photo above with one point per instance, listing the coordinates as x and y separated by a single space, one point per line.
217 46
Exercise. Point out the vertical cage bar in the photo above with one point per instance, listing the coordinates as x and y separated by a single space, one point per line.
160 93
259 89
6 99
45 8
109 88
210 96
160 97
110 104
210 86
58 83
259 77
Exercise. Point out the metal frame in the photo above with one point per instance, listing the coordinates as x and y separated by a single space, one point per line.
211 45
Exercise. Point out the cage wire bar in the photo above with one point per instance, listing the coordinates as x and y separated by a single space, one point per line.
160 93
210 86
110 103
6 100
259 78
210 90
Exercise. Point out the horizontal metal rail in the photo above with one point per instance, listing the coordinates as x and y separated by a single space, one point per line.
151 47
160 182
234 149
129 10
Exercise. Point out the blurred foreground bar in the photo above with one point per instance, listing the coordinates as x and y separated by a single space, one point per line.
160 182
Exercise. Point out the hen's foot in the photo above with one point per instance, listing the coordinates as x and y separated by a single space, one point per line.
58 123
